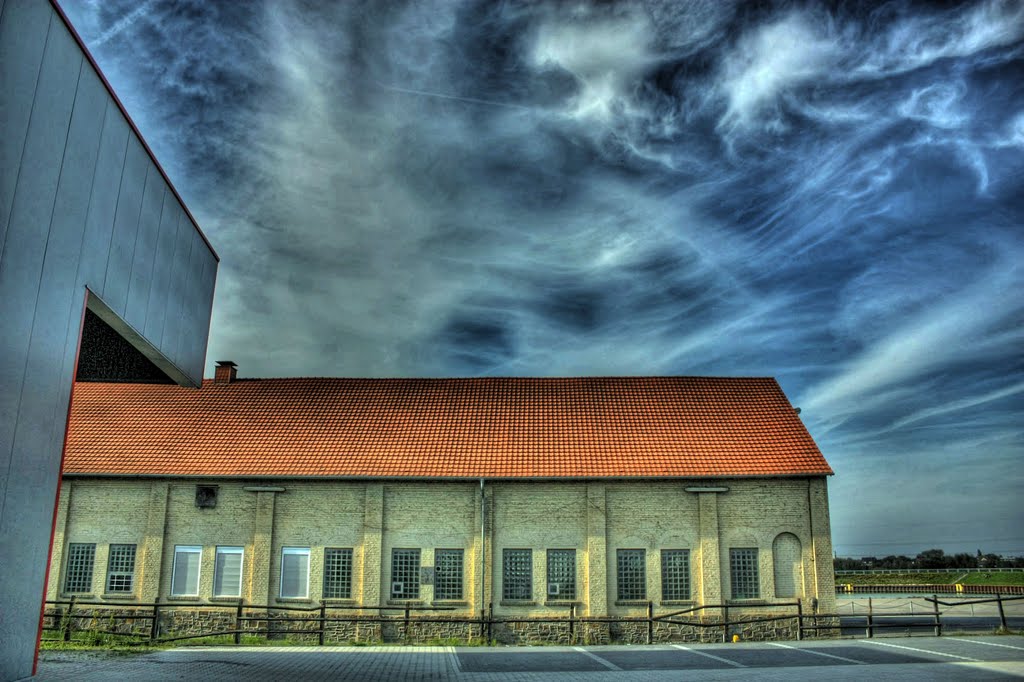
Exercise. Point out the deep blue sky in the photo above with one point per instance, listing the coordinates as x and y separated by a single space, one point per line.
834 197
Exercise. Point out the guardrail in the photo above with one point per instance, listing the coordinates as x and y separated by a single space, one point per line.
891 571
956 588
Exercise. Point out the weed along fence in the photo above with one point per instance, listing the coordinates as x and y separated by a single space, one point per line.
157 623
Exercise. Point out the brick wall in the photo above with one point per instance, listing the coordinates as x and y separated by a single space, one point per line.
593 518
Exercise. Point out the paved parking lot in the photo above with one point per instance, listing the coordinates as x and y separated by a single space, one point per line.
918 658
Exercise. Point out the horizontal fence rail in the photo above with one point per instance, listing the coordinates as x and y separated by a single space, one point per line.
66 613
956 588
896 571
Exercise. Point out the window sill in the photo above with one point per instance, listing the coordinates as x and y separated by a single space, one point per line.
340 602
184 597
221 599
677 602
77 596
517 602
118 596
406 602
631 602
757 601
561 602
449 602
293 600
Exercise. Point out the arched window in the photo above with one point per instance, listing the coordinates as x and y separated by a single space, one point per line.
788 560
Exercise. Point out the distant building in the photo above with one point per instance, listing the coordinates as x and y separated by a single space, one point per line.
526 493
104 274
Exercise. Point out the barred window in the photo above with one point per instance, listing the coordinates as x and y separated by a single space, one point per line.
448 574
120 568
78 574
675 574
561 573
227 572
337 574
294 572
185 572
517 574
743 573
632 574
405 574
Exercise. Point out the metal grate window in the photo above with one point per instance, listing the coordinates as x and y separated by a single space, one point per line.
120 568
448 574
337 574
743 573
632 574
405 574
517 574
561 574
78 575
675 574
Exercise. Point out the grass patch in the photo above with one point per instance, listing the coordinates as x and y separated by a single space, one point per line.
993 578
897 579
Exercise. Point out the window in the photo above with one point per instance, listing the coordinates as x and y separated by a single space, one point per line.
631 567
743 573
120 568
675 574
185 574
561 574
227 572
448 574
405 574
294 572
517 574
78 576
337 574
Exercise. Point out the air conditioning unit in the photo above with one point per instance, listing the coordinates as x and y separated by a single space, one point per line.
552 589
397 588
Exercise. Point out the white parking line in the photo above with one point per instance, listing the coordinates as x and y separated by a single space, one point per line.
922 651
607 664
974 641
453 656
701 653
817 653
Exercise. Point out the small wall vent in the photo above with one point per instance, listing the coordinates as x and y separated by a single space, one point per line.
553 589
206 496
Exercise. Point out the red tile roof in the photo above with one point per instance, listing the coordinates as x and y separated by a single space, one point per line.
692 427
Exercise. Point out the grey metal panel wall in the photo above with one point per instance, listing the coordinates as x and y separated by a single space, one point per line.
82 204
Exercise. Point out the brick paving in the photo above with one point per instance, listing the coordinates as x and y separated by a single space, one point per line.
915 658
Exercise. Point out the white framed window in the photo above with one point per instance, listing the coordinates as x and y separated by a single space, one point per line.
185 573
120 568
295 572
227 572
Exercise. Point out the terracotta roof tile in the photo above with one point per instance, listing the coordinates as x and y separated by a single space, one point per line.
691 427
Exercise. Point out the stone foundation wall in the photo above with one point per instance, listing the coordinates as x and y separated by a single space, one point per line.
305 627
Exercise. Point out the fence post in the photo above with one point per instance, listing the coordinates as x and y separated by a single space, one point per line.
572 617
799 619
483 616
154 624
650 622
935 613
406 623
871 612
490 621
238 622
70 616
999 603
323 621
725 623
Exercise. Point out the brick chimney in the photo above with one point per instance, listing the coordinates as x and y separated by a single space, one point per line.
225 372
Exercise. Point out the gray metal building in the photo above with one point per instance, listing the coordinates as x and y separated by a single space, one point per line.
103 273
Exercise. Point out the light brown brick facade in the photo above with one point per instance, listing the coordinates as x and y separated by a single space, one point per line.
595 518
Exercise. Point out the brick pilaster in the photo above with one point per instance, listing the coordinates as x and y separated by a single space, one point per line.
710 554
373 531
59 528
152 554
260 590
597 550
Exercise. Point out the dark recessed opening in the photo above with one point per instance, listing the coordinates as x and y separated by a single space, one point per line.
105 356
206 496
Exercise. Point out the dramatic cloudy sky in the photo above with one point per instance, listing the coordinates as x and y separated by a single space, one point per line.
831 196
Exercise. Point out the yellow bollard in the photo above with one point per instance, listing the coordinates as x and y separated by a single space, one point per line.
735 638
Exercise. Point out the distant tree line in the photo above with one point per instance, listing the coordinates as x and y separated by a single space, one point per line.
930 558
